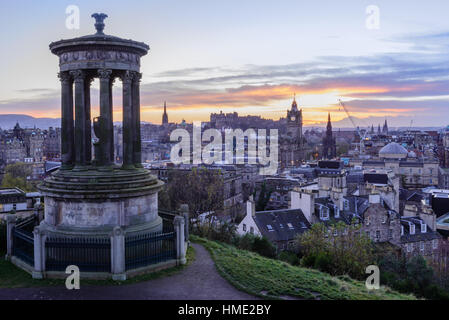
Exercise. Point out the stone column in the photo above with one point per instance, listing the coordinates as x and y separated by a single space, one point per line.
80 119
180 239
106 143
137 145
184 210
67 131
111 110
10 225
88 135
39 253
118 266
128 124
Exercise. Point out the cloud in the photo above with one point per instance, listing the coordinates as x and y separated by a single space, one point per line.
406 84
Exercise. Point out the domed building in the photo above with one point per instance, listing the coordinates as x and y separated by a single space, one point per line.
393 150
415 172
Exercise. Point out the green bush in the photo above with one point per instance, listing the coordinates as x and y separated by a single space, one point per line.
336 249
264 247
323 262
289 257
412 275
245 242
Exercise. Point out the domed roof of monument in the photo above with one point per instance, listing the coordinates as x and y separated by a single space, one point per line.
393 148
98 38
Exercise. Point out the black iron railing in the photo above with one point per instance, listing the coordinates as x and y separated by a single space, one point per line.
23 240
23 245
166 215
143 250
88 254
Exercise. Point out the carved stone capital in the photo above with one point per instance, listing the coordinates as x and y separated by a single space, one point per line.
104 74
128 77
137 77
64 77
78 75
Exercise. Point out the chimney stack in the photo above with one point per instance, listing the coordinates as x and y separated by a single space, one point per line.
251 207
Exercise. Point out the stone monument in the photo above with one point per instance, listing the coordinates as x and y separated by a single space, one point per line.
90 195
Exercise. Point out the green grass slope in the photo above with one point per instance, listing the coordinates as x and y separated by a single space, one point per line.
271 278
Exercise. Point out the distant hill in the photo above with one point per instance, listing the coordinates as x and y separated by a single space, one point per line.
8 121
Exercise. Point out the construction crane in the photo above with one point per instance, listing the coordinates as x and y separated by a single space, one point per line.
357 128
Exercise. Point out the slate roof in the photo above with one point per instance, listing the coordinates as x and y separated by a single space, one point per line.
379 178
355 177
327 202
373 163
440 205
357 205
411 195
309 173
281 225
418 236
415 164
330 164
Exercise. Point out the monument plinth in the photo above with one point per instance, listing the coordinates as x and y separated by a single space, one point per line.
90 194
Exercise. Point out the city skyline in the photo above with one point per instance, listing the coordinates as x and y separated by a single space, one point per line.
205 58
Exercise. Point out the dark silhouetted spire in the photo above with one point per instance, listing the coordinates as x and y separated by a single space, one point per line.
165 116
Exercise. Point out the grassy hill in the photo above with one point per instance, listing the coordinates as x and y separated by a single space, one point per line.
271 278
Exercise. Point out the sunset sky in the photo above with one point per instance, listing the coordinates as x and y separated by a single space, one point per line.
246 56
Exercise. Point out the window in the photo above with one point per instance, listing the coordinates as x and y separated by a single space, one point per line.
390 233
377 235
251 230
409 247
423 228
290 226
335 232
384 219
412 228
324 213
402 230
368 220
269 227
244 227
421 245
346 204
434 244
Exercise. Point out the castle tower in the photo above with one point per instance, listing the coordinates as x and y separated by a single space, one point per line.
292 145
294 121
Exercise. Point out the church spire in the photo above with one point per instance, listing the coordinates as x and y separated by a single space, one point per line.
165 116
329 123
385 128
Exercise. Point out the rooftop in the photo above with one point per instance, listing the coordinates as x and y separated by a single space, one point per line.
393 148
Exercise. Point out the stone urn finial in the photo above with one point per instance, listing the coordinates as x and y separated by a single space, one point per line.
99 21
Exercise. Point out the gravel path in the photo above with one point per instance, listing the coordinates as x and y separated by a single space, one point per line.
199 281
